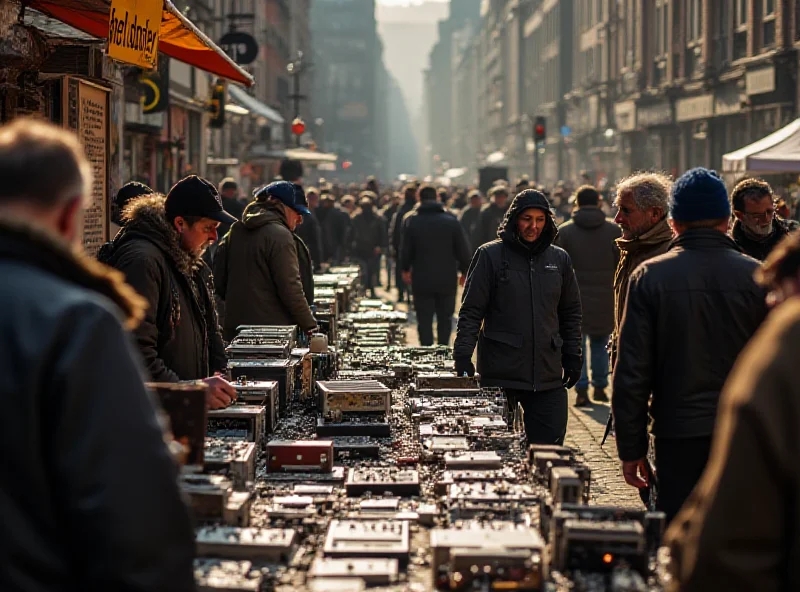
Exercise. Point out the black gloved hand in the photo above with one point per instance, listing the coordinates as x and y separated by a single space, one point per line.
465 366
573 368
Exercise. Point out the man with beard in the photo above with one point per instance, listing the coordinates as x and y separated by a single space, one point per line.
89 491
257 272
642 206
367 240
757 229
522 306
160 251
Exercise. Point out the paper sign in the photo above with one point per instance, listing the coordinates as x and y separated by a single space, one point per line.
133 30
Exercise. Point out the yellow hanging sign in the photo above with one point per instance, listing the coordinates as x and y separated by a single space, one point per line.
133 31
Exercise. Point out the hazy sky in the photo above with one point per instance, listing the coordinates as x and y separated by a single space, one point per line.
404 2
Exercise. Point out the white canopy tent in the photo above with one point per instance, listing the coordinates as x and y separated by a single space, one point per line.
779 152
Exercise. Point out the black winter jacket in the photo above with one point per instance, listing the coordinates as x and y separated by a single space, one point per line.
311 233
522 306
368 232
335 226
589 239
434 248
759 249
491 217
469 218
88 488
689 313
179 337
396 226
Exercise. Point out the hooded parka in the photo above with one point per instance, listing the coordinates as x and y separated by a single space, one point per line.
522 306
257 272
179 337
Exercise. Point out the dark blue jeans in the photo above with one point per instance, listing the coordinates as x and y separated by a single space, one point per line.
597 356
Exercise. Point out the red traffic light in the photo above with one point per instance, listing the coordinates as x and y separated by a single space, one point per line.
346 164
298 126
539 130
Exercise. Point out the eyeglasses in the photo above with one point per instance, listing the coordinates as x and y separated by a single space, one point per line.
763 217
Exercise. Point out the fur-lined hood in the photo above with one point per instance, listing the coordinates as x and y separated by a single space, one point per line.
145 217
22 241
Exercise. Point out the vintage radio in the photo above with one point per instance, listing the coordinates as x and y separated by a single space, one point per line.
208 495
502 569
594 546
354 396
274 545
355 447
282 371
382 480
300 456
236 457
653 523
368 538
265 392
287 332
185 405
471 459
374 572
256 348
312 368
243 422
483 538
225 575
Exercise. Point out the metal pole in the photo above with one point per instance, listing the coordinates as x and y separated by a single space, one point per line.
296 96
536 162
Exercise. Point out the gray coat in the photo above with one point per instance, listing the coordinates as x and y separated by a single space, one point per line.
522 307
589 239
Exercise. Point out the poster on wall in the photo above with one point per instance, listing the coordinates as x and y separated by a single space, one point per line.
86 106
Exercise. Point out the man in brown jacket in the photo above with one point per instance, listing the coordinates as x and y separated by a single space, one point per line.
740 529
256 270
642 203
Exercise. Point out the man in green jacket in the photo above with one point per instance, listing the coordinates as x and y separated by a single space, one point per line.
256 270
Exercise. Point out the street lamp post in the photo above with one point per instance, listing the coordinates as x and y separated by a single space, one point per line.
295 68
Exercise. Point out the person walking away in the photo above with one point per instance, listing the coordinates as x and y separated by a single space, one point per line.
522 306
752 460
304 260
160 250
688 315
470 216
87 475
387 214
257 272
492 215
642 204
433 250
757 229
310 230
334 223
368 240
126 193
229 194
395 233
589 238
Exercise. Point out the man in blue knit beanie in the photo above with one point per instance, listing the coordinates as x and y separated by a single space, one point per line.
688 315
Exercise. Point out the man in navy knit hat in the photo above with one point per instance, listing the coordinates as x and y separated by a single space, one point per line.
688 314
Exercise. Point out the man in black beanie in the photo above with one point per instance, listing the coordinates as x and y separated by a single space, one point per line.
522 307
688 314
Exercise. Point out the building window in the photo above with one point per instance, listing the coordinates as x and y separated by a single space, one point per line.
723 36
662 42
740 15
695 20
769 23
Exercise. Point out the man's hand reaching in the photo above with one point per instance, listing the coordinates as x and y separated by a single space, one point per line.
220 392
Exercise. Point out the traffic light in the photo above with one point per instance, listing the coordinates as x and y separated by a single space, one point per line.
539 129
216 106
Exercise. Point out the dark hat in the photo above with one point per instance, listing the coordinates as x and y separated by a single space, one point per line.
228 183
699 194
300 198
284 192
130 190
194 196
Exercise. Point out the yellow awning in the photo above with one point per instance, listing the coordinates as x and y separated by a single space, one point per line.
179 38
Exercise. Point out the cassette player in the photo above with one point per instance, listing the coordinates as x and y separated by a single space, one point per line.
381 480
354 396
304 456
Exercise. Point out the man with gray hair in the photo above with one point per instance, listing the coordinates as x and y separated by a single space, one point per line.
88 478
642 203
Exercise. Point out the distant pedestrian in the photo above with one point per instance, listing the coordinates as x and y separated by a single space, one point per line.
470 216
334 224
757 229
395 232
589 238
433 250
492 215
367 240
688 315
229 193
522 307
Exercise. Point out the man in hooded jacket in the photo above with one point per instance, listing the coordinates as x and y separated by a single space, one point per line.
522 307
257 272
